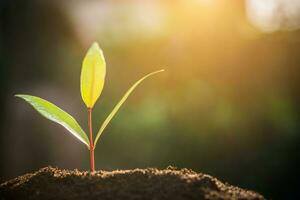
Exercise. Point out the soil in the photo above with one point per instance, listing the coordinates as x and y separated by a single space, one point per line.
150 183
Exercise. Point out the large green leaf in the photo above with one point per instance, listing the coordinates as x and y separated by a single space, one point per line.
54 113
117 107
92 75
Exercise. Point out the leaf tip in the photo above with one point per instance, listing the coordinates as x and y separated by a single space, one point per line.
19 95
94 48
95 45
155 72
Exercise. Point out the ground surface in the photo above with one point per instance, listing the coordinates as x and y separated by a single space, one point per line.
154 184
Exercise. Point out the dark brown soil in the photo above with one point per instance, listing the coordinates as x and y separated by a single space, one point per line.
154 184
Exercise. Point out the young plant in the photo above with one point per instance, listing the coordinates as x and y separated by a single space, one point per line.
92 82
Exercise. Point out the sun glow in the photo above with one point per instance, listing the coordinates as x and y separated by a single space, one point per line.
272 15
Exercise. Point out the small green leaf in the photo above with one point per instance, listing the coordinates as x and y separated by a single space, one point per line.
117 107
54 113
92 75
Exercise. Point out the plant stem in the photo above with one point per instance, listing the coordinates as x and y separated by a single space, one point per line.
92 156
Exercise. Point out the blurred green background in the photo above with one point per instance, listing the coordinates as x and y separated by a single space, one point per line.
227 105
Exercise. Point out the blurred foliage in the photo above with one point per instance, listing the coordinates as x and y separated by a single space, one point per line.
227 104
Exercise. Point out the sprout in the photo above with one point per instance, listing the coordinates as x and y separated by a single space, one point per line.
91 84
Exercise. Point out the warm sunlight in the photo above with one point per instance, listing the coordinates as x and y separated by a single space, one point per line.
226 105
272 15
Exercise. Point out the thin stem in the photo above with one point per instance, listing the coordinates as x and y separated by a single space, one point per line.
92 156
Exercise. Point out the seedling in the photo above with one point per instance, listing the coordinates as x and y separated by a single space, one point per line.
92 81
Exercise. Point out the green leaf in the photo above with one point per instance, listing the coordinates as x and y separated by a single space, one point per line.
117 107
54 113
92 75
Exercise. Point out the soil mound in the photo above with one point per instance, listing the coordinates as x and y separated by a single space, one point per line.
150 183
